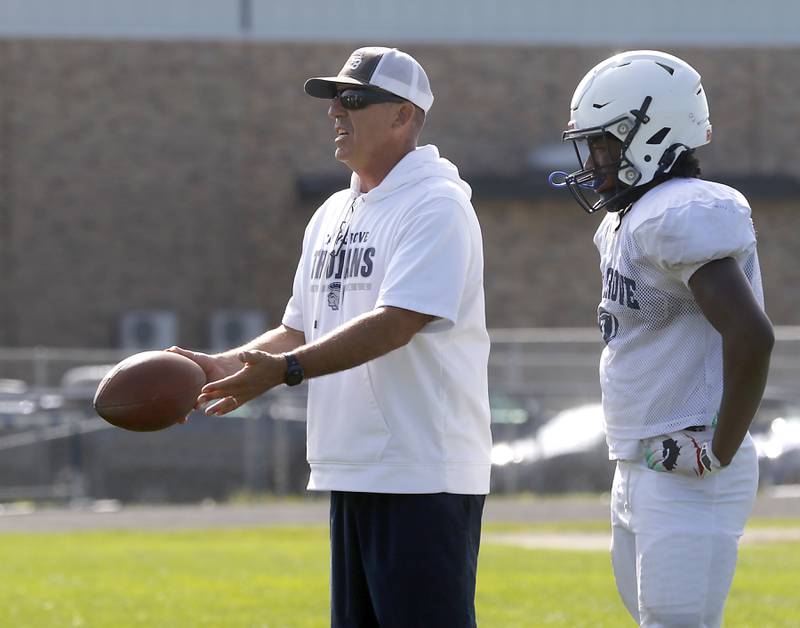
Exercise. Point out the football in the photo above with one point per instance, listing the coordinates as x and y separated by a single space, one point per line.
149 391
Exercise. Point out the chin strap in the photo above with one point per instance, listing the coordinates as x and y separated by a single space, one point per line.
641 114
621 214
641 118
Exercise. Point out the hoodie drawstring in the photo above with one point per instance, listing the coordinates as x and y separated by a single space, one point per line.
338 243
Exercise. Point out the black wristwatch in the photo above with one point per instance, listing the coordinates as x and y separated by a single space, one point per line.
294 372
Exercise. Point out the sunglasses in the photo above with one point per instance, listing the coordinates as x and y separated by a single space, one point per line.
359 98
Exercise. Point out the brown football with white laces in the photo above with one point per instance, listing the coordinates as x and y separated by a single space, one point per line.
149 391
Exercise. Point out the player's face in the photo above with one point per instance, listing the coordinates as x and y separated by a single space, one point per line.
604 154
362 135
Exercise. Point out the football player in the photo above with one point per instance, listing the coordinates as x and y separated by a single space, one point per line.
687 340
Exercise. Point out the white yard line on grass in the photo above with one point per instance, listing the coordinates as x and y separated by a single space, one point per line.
598 541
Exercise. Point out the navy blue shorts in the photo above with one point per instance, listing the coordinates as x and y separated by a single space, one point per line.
404 561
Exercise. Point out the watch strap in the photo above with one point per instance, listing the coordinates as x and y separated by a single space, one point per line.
294 370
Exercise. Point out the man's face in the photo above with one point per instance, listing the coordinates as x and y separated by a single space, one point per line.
604 154
361 134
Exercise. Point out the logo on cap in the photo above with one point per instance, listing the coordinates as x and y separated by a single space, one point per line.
355 60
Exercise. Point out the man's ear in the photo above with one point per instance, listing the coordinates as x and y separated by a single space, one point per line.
403 115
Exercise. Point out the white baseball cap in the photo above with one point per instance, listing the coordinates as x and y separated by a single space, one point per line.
388 69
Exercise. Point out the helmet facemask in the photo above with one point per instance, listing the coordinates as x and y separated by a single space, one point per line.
621 169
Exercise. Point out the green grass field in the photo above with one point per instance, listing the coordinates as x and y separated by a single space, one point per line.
279 577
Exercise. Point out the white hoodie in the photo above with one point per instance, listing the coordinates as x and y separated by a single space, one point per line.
415 420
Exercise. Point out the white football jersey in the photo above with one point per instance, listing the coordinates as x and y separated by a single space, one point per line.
661 370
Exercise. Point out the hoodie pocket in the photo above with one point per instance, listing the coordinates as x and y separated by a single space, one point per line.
345 424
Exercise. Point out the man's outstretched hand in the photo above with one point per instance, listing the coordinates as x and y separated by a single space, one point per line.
259 372
216 366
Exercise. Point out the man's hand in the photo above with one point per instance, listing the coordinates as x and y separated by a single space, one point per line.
261 371
214 366
683 453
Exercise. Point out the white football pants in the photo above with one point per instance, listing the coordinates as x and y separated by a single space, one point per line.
675 539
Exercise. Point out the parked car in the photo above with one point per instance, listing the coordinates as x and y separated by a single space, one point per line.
79 384
568 453
513 416
776 434
23 407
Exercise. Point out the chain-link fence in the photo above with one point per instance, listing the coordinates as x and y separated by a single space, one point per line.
53 447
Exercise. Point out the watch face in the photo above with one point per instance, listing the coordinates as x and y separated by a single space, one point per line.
294 375
294 371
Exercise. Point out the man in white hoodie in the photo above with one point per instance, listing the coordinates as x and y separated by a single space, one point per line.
387 321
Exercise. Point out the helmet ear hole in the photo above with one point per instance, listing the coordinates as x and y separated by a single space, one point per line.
670 156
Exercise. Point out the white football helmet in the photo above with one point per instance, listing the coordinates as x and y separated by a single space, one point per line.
653 103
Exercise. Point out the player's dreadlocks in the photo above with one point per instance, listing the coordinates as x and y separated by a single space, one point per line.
687 166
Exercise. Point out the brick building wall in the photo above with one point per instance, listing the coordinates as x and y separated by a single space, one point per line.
165 175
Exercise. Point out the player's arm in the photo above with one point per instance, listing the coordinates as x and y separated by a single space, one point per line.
360 340
724 294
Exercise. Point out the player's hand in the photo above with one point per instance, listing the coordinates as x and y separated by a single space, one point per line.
261 371
683 453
